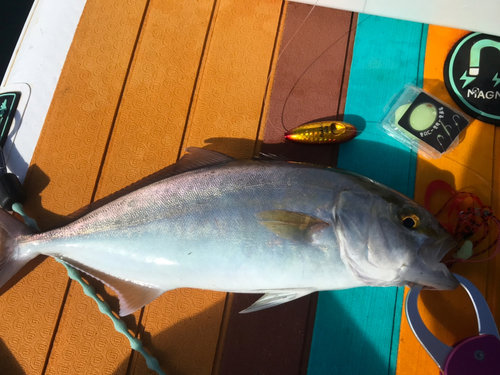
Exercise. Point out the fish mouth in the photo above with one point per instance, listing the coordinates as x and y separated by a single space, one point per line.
428 271
431 256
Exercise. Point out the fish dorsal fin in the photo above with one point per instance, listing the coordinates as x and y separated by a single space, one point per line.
291 225
272 299
195 158
132 296
270 157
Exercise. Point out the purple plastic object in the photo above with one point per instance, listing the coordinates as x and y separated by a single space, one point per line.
476 355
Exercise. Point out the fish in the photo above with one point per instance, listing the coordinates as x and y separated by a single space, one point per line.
263 225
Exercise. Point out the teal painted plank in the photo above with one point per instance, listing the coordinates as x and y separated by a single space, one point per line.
356 331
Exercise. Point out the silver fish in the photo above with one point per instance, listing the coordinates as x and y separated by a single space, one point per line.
252 226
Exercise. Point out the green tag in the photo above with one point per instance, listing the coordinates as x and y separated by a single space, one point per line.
8 107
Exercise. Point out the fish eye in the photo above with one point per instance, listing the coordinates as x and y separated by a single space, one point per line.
410 221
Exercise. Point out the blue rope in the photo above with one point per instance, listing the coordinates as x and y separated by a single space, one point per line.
18 207
74 274
135 344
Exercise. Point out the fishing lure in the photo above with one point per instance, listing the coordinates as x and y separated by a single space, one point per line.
322 132
468 220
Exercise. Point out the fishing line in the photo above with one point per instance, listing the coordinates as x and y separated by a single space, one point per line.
465 216
353 29
296 31
467 219
471 221
482 178
473 171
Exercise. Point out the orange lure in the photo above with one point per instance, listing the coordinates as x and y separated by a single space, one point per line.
322 132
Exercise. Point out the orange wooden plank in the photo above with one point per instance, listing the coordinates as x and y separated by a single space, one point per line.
449 315
147 120
225 113
234 76
147 132
156 101
63 172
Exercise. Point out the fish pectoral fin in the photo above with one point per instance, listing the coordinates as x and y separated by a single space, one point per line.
272 299
291 225
132 296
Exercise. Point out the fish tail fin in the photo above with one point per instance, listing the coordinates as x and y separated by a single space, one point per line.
12 260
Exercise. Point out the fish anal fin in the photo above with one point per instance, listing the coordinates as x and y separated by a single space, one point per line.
276 298
132 296
291 225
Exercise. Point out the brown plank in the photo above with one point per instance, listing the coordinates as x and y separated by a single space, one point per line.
309 82
311 78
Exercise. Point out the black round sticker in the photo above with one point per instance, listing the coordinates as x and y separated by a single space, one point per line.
472 76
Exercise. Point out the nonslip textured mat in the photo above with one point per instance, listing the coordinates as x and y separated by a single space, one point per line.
144 80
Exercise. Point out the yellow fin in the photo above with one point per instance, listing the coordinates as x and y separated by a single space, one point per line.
291 225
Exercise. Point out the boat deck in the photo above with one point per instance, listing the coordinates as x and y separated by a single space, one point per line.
145 79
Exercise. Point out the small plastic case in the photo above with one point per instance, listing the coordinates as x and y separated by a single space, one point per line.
424 123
